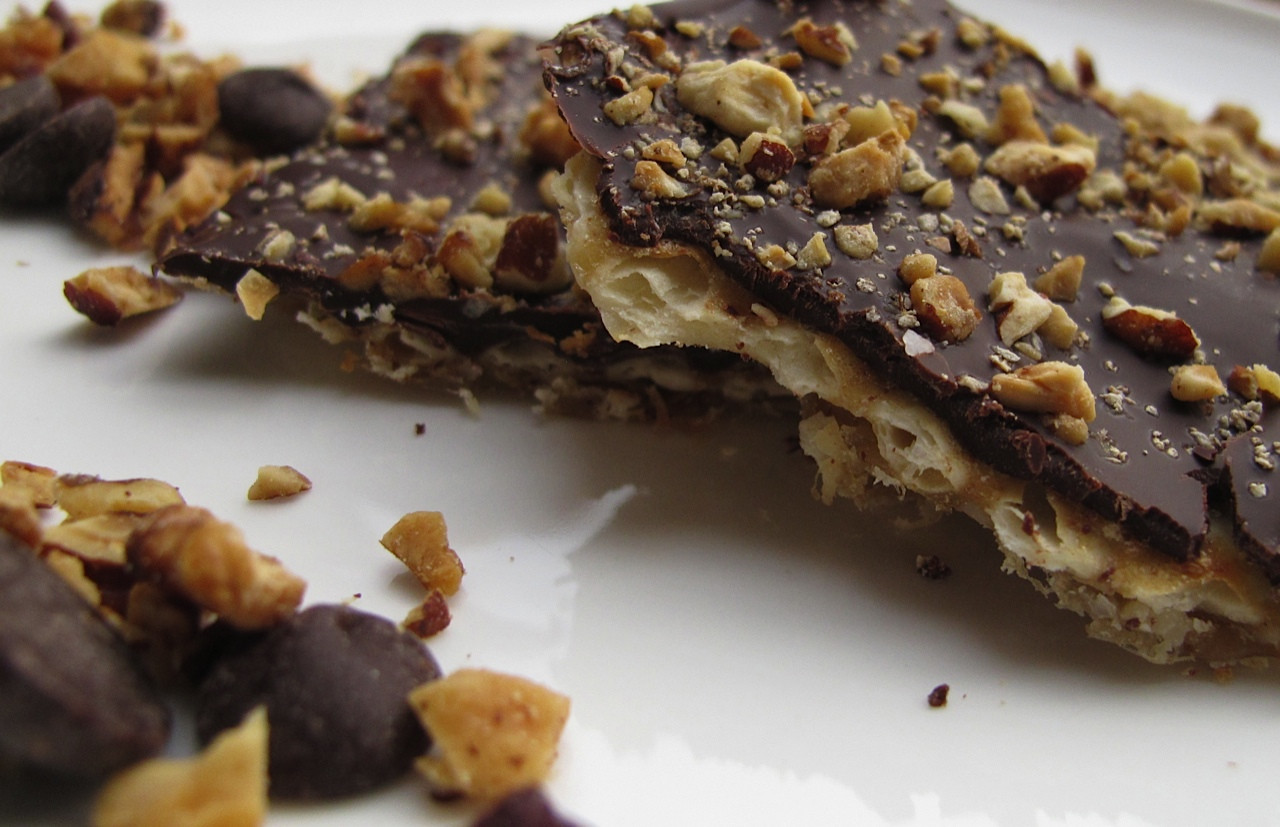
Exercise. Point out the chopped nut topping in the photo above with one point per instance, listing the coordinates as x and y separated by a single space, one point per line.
83 496
1070 429
1061 282
1150 332
1269 255
197 555
1255 382
985 194
867 172
1020 309
740 37
1046 387
1136 246
968 118
255 291
333 194
1015 118
765 157
420 540
109 295
1059 330
225 784
654 182
492 733
962 160
775 257
633 107
1196 383
814 255
939 195
1047 172
834 44
743 97
665 151
944 308
276 481
1238 214
917 266
856 240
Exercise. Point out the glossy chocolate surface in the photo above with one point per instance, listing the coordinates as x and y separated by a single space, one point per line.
1152 463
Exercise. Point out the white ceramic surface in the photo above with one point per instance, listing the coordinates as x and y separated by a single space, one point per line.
736 653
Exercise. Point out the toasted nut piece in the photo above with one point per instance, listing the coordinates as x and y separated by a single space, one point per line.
961 160
1021 310
428 618
197 555
104 62
972 34
547 136
1070 429
470 248
1015 118
255 291
1238 214
420 540
1061 282
493 200
38 481
18 515
743 97
939 195
433 93
275 481
1137 246
740 37
1046 387
101 539
916 266
108 295
225 784
1047 172
333 194
869 171
866 122
1196 383
1269 255
1150 332
1255 382
967 118
664 151
834 44
382 213
1059 329
857 240
635 106
985 194
493 733
83 496
814 255
651 180
1183 172
765 157
775 257
944 307
530 259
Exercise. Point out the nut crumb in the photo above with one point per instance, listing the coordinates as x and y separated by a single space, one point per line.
277 481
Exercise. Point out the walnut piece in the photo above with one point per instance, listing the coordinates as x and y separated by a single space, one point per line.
276 481
195 554
40 482
654 182
1061 282
1020 310
83 496
944 308
833 43
1196 383
1148 331
1047 172
109 295
1046 387
765 157
420 540
255 291
1255 382
225 784
492 733
743 97
869 171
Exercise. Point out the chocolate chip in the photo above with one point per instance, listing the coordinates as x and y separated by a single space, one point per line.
272 110
40 168
334 681
72 698
24 106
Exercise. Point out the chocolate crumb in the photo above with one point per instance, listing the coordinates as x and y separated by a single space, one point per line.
419 428
938 696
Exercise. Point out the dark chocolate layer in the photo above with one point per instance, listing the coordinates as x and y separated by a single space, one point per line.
1150 461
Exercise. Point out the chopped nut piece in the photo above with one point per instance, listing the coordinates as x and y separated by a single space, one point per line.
101 539
985 194
108 295
765 157
775 257
420 540
834 43
428 618
856 240
967 118
918 266
382 213
1015 118
743 97
1070 429
493 733
84 496
530 259
1059 329
333 194
1021 310
104 62
655 182
205 559
1046 387
814 255
1184 173
1269 256
633 107
1137 247
255 291
492 199
38 481
971 33
1150 332
740 37
962 161
275 481
1061 282
1255 382
869 171
1047 172
1238 214
1196 383
944 307
664 151
939 195
225 784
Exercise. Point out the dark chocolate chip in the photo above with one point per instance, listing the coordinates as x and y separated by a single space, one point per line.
24 106
73 700
39 169
523 808
335 683
272 110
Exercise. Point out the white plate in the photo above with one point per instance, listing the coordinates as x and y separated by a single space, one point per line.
736 653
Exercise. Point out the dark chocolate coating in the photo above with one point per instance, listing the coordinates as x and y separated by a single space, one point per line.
40 168
1159 491
335 682
73 699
